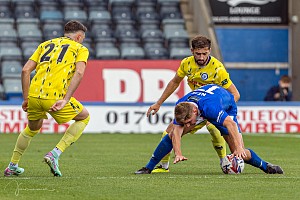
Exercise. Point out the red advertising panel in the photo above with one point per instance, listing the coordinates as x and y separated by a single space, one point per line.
127 81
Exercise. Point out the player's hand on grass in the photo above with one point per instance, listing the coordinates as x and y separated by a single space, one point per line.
58 105
153 109
179 158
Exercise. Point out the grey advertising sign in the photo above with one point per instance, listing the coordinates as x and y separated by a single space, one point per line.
249 11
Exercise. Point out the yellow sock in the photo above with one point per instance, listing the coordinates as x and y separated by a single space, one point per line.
217 140
165 159
72 134
22 143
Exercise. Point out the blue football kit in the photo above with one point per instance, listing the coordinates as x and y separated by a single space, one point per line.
214 104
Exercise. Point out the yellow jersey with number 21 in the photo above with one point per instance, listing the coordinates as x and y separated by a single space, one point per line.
56 62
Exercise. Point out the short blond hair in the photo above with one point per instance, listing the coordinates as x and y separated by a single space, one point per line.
183 111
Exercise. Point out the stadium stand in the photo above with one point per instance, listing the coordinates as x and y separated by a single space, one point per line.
118 29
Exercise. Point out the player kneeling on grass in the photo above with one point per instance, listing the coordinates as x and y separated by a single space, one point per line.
60 64
217 105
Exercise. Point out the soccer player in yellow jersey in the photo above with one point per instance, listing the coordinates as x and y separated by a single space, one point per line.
60 64
200 69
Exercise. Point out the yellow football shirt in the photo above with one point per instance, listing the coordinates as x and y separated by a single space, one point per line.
56 62
213 73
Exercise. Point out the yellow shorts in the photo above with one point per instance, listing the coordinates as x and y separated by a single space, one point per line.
37 109
198 127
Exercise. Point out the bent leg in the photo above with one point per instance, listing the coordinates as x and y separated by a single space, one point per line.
162 149
74 131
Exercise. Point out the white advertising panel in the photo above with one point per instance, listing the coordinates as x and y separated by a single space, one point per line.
130 118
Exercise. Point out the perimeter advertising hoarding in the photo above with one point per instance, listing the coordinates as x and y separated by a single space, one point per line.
132 119
249 12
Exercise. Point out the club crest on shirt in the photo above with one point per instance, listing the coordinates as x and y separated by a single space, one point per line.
204 76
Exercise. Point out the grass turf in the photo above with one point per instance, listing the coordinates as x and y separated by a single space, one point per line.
101 166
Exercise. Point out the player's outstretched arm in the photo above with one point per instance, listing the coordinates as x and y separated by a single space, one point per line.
171 87
176 135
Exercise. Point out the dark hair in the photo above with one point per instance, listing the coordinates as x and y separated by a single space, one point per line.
200 42
74 26
285 79
183 111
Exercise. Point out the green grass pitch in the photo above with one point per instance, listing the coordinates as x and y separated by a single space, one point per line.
101 166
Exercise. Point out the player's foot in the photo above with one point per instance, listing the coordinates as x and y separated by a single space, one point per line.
144 170
273 169
10 171
53 164
160 169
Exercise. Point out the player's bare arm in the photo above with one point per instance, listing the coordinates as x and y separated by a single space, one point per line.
234 139
234 91
25 77
176 135
171 87
80 68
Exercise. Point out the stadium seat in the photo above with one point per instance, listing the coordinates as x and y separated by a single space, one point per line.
74 5
179 53
4 44
132 53
23 3
127 35
143 27
6 3
100 17
7 23
104 44
11 53
122 15
169 9
176 35
103 34
107 53
12 88
142 9
148 17
24 11
96 4
168 2
156 53
8 35
5 11
145 3
26 44
122 3
173 24
29 32
51 30
79 15
48 6
11 69
148 45
152 36
55 16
